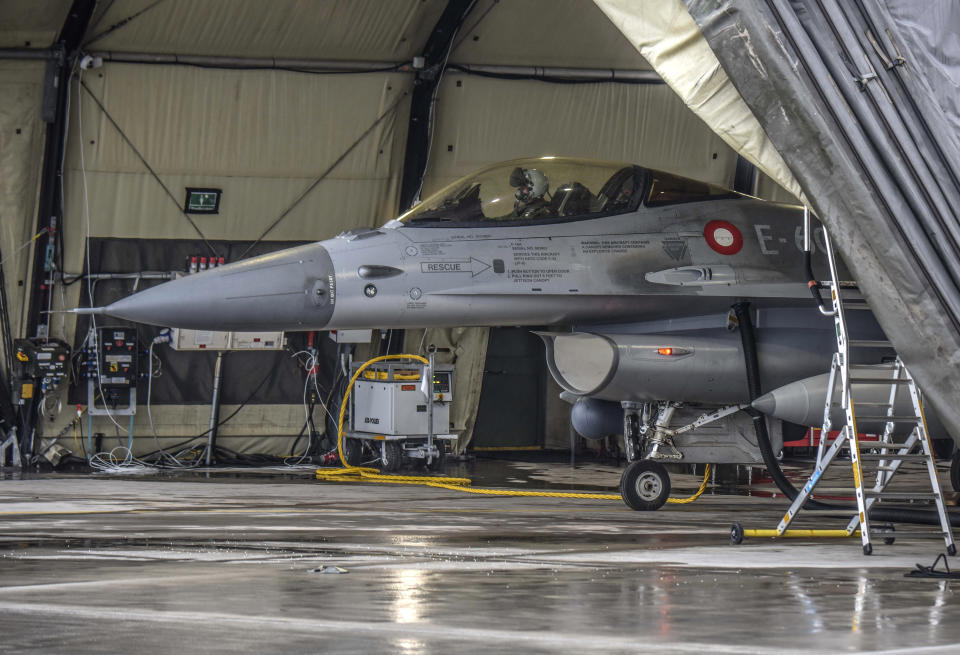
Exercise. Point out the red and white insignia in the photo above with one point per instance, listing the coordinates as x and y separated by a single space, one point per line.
723 237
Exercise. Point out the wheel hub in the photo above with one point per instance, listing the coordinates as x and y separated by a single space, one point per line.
649 485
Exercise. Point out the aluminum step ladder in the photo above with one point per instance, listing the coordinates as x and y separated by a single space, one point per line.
891 452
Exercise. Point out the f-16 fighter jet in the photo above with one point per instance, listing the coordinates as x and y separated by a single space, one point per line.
629 273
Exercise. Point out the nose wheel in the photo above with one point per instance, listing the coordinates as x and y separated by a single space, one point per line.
645 485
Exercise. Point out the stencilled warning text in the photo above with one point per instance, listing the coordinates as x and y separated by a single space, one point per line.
523 276
612 246
527 253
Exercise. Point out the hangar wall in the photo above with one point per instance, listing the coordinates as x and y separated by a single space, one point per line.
263 137
482 121
21 149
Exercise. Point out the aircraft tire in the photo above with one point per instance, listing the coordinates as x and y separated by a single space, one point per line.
889 541
352 451
645 485
391 457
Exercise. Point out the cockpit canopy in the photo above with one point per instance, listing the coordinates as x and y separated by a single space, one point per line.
548 189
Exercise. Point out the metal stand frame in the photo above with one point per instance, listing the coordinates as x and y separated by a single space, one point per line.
892 453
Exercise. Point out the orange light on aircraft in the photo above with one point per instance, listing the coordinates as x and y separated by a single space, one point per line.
665 351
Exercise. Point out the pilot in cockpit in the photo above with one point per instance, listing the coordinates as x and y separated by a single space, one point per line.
532 187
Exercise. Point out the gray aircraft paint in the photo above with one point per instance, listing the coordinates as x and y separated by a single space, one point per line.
802 402
577 271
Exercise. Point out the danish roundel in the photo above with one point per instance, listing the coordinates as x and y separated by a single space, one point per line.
723 237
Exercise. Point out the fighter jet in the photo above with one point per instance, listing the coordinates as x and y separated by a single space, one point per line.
629 273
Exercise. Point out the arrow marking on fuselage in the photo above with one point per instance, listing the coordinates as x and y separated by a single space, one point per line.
473 266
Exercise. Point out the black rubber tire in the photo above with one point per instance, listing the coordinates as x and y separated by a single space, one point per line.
391 457
645 485
437 462
868 549
889 541
736 534
352 451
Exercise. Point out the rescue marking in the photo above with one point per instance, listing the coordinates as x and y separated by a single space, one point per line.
473 266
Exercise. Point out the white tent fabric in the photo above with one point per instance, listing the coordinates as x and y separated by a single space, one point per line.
261 136
482 121
31 23
21 149
330 29
667 36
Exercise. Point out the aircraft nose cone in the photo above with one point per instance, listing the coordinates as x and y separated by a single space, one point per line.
765 404
291 289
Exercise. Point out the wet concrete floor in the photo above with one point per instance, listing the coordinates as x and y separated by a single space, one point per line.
232 564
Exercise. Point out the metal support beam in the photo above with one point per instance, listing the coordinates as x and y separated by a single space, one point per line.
425 85
27 53
49 206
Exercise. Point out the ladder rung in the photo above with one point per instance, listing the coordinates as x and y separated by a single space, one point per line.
875 457
877 381
843 284
870 404
880 532
890 419
869 343
855 306
899 495
871 367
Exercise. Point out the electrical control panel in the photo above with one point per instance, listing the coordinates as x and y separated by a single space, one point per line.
442 385
116 353
44 361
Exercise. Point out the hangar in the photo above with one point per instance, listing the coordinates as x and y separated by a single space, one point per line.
272 302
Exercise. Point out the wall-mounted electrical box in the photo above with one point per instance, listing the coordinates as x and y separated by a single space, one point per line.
351 336
199 340
211 340
43 361
117 351
256 340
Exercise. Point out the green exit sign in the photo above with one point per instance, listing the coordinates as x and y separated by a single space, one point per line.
202 201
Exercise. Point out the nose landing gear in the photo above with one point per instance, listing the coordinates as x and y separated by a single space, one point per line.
645 485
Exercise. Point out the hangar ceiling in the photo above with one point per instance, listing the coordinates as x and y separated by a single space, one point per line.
362 30
28 24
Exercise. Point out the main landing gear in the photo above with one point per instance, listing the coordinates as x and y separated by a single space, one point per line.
649 441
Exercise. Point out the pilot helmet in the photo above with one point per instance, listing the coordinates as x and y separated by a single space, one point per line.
532 184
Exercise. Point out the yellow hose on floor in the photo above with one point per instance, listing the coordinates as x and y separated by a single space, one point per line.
351 473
